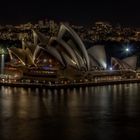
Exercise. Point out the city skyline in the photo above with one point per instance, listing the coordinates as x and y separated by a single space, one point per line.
84 13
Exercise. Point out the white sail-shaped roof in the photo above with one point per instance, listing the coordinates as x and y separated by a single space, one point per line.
39 36
24 56
35 37
120 64
99 54
62 46
18 53
116 63
29 45
93 62
69 61
76 43
53 52
131 61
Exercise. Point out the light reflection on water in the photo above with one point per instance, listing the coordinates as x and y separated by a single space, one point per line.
105 112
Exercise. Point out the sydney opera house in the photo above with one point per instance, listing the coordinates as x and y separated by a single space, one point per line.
66 56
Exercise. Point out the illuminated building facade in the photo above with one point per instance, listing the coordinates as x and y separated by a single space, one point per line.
64 52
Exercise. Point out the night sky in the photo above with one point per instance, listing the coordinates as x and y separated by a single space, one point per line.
84 13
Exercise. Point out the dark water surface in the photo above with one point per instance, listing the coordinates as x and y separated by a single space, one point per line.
94 113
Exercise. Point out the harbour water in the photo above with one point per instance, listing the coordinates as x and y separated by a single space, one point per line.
110 112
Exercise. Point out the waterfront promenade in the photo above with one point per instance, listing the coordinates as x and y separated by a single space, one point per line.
70 84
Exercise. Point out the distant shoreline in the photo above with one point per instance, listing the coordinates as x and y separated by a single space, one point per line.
70 85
